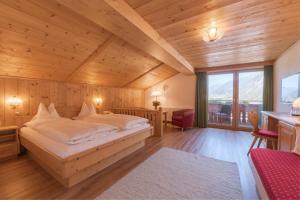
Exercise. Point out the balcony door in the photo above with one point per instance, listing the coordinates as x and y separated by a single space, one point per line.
231 96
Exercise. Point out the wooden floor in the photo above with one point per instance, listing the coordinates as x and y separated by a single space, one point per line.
22 178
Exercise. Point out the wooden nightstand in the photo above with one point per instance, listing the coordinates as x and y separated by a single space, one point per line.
9 142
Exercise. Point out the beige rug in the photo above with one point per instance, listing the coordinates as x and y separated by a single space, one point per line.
171 174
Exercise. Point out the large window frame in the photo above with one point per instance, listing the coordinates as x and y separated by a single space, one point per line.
235 100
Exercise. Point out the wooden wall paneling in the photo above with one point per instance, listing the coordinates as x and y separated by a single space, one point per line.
2 101
44 92
103 95
85 92
33 100
62 95
23 93
11 89
53 93
74 100
67 97
107 99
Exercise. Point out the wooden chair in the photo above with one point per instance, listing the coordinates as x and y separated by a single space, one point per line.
260 133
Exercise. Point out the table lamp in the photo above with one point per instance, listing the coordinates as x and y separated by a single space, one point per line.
296 107
155 94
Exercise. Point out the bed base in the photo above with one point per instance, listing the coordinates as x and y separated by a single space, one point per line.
76 168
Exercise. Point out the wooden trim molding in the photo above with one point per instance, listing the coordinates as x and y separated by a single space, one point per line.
254 65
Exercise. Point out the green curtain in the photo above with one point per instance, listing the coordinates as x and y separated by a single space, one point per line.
268 96
201 100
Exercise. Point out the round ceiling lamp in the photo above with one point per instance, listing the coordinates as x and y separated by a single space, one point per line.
212 34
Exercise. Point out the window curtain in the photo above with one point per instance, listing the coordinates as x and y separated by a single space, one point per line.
268 95
201 100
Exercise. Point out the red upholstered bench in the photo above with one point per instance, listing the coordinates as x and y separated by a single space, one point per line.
278 173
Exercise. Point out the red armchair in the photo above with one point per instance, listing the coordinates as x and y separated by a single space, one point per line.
183 118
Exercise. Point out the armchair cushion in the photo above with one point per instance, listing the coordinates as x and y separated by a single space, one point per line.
177 117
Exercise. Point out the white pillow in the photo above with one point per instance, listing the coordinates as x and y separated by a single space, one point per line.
92 110
297 145
42 114
85 111
53 111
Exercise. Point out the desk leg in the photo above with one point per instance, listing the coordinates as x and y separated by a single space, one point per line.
269 144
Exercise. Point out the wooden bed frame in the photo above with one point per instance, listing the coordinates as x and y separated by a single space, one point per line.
76 168
154 116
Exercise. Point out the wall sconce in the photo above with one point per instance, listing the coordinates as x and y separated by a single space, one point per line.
155 94
98 101
14 102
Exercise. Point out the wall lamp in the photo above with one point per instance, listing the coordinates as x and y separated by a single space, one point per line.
14 102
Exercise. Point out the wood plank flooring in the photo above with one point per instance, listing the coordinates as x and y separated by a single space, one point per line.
21 178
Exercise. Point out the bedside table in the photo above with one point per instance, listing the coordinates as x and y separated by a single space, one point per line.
9 142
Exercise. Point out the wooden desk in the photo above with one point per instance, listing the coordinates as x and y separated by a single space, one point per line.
286 125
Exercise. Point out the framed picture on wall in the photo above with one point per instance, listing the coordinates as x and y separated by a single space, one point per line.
290 88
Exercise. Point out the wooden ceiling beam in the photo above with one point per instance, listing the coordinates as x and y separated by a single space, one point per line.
224 68
119 18
91 58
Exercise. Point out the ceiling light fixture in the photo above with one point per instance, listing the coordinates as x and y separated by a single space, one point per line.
212 34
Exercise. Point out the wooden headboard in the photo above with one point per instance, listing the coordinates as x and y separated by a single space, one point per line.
154 117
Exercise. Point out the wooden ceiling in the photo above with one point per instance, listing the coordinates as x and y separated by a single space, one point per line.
138 43
45 40
254 30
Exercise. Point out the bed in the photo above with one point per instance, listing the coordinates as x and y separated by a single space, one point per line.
73 163
121 121
79 162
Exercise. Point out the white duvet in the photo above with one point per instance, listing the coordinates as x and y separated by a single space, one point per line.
123 122
70 131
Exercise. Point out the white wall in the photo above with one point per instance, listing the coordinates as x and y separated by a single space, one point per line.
287 64
177 92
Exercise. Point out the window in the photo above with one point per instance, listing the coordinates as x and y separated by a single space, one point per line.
231 96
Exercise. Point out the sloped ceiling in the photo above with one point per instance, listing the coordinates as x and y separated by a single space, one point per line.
45 40
138 43
254 30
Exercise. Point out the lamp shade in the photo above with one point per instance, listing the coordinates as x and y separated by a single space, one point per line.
212 34
296 103
155 93
98 100
14 101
